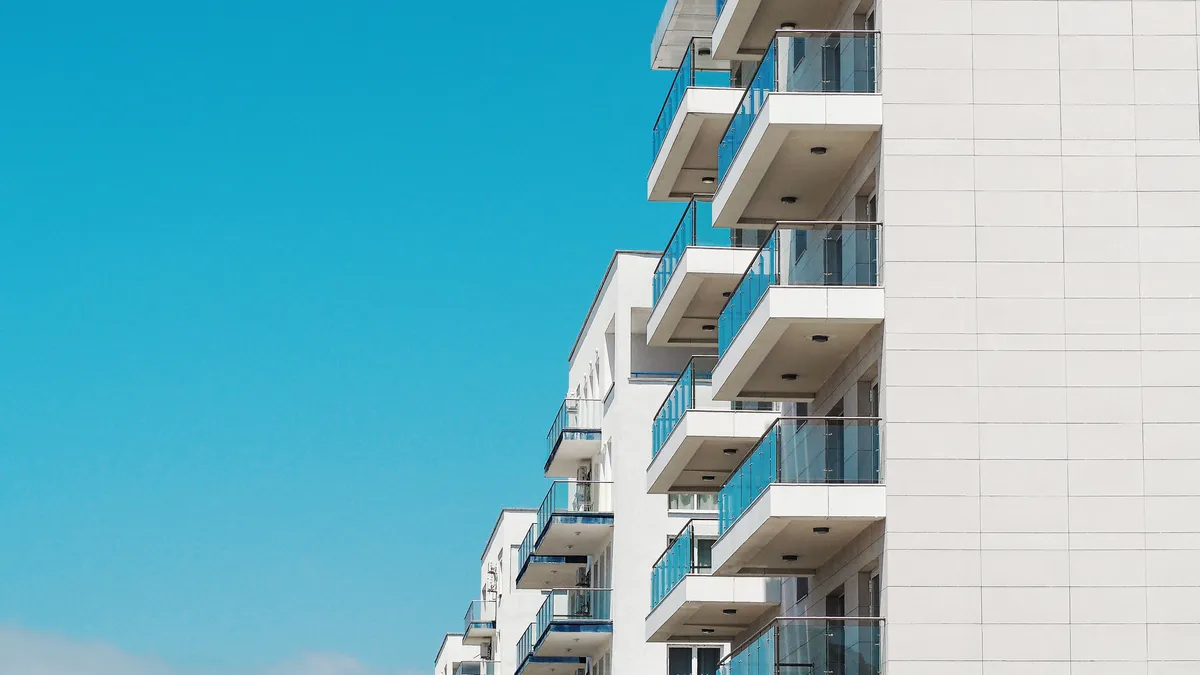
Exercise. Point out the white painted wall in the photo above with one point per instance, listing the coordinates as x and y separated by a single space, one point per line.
515 608
453 652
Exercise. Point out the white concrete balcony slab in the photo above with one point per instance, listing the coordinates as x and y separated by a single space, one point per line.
681 20
687 135
575 521
572 624
809 487
799 129
743 29
808 299
697 441
479 625
574 437
688 604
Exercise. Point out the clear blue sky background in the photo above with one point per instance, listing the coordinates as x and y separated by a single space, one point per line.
287 291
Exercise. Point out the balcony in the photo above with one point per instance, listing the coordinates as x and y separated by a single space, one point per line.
479 625
571 625
810 486
681 20
807 300
698 270
688 604
697 442
574 437
809 113
477 668
574 521
811 645
690 125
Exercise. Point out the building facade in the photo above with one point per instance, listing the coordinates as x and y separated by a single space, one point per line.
926 335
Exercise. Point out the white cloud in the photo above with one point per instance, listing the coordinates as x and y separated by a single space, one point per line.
25 652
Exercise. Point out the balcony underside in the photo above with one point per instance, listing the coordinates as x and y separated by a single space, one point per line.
575 534
689 152
694 296
776 159
565 639
777 339
681 20
696 448
479 632
575 446
568 665
551 571
698 604
745 27
781 521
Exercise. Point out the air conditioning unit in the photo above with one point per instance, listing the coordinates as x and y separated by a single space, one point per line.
485 651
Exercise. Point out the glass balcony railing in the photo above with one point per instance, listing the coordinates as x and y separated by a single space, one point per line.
720 6
577 419
565 497
801 450
477 668
573 605
811 645
693 227
682 399
802 254
574 497
480 614
525 645
697 69
807 62
688 554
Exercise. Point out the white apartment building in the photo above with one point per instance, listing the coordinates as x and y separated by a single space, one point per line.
928 334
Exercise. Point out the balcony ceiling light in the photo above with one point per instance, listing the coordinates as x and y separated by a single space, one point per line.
790 557
789 199
820 339
820 530
729 612
707 631
790 377
730 451
787 26
818 150
708 180
708 327
708 478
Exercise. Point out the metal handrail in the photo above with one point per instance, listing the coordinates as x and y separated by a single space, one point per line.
773 624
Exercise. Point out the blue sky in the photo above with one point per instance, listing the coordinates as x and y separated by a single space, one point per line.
286 295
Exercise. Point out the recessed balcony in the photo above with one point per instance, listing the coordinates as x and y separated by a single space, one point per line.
575 520
697 442
479 625
809 297
802 124
690 125
689 604
698 270
574 436
810 486
571 625
811 646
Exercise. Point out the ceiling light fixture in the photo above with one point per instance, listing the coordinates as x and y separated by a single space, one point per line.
820 338
730 451
790 377
708 180
790 557
708 327
818 150
708 478
820 530
789 199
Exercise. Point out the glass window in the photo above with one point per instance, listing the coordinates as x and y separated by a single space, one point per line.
707 659
679 661
704 553
692 501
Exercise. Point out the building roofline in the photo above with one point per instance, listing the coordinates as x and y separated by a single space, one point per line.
496 527
441 649
612 264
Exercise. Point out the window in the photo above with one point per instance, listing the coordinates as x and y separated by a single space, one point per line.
692 501
693 660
